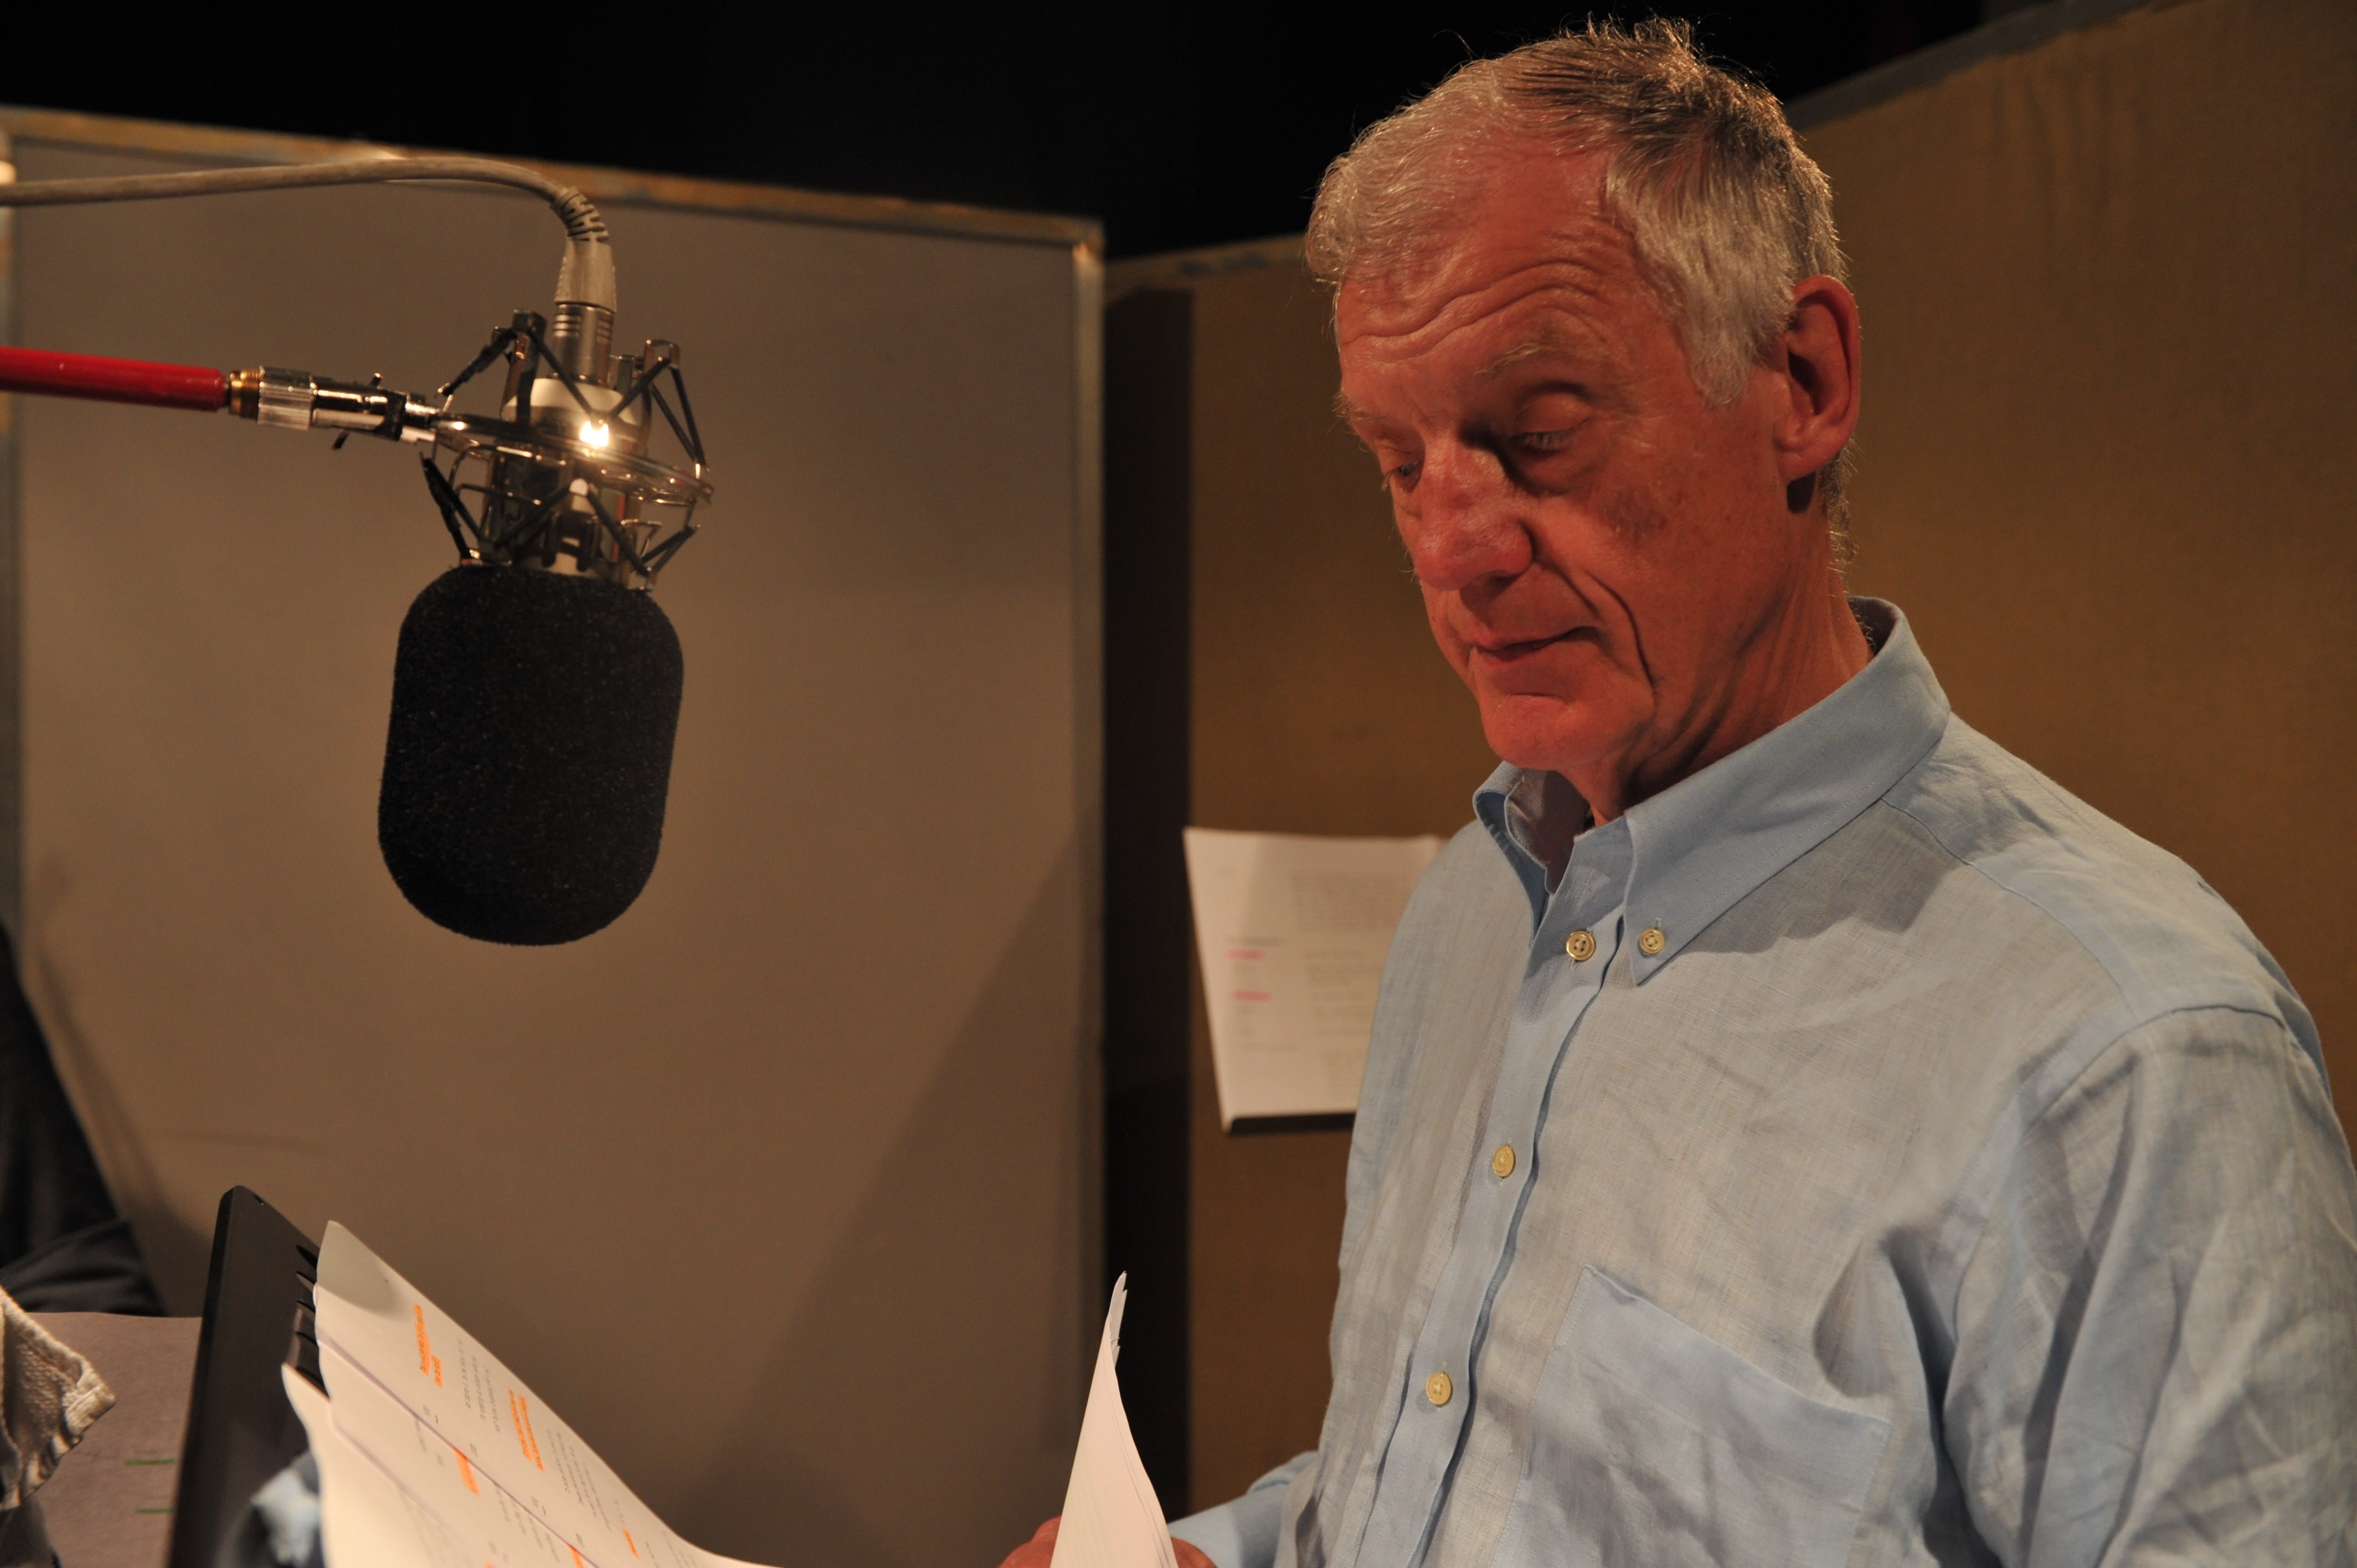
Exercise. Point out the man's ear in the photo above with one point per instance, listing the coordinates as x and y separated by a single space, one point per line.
1819 367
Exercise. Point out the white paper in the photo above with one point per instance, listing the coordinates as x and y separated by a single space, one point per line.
1292 931
366 1520
1112 1518
472 1456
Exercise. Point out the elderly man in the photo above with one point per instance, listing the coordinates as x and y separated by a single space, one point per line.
1795 1132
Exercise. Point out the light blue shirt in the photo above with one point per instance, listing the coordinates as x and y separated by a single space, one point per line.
1863 1152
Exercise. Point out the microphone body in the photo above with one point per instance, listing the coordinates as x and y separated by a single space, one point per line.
535 690
529 754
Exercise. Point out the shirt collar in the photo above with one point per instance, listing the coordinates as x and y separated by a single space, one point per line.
1508 803
1708 840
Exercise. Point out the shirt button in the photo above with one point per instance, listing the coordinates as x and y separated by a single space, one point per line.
1650 941
1502 1163
1438 1387
1580 945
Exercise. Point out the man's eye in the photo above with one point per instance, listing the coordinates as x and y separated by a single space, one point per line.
1544 441
1403 474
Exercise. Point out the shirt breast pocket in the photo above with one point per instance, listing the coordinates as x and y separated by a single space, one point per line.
1654 1444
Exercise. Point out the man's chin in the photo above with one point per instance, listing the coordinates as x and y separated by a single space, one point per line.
1550 734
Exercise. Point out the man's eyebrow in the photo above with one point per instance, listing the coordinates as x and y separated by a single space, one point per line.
1539 347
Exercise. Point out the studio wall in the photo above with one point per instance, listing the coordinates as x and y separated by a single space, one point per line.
2107 457
2106 468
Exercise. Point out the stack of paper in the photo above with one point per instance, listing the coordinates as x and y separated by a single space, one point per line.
432 1455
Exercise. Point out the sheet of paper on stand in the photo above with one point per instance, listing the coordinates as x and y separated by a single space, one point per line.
1112 1518
433 1454
367 1520
1292 931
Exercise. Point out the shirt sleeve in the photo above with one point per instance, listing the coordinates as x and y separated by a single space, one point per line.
1243 1534
2155 1354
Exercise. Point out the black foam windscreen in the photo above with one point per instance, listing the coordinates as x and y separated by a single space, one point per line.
528 755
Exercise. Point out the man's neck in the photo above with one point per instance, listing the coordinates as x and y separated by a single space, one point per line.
1796 664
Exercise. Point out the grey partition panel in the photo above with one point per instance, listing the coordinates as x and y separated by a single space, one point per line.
780 1189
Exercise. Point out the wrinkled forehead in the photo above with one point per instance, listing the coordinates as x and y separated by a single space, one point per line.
1572 299
1523 222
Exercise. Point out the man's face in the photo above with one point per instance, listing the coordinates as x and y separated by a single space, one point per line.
1599 549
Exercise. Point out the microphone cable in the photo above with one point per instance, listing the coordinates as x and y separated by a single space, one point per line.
580 217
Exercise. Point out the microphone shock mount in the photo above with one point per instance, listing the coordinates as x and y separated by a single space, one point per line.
590 465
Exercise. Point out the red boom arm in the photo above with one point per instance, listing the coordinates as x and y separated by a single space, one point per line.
112 381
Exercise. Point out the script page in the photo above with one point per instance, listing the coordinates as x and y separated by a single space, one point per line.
463 1439
1292 931
369 1520
1112 1518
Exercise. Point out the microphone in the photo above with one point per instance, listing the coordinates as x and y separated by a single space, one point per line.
536 683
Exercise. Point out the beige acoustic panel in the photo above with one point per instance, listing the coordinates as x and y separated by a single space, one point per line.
779 1188
1321 706
2107 457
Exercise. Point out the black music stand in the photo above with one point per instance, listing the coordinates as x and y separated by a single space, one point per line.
242 1430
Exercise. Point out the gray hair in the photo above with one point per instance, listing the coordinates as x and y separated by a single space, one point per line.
1723 211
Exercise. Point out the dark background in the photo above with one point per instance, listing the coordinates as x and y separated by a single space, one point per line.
1179 125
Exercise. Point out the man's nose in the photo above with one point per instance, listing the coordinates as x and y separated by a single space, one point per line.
1467 524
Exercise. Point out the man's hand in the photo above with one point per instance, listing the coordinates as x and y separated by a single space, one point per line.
1040 1550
